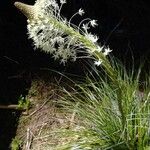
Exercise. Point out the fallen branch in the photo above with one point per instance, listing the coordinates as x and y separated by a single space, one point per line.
16 107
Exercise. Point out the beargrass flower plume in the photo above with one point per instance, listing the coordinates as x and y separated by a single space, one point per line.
53 34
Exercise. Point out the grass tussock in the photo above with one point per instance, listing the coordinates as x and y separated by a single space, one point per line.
114 116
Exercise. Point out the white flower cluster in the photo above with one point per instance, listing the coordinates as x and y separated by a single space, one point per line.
50 40
46 36
46 33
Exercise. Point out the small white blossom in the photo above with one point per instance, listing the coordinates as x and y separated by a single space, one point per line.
107 51
62 1
92 37
98 63
99 49
81 12
85 27
52 3
93 23
55 5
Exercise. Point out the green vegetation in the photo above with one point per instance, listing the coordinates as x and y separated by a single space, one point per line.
23 103
15 145
113 113
113 117
93 114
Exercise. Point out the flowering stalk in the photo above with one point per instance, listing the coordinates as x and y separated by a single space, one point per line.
47 29
55 35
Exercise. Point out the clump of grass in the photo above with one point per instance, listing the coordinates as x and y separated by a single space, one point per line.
114 116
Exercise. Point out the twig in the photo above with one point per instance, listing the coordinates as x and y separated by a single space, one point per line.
40 106
11 107
43 125
109 35
59 80
10 59
29 139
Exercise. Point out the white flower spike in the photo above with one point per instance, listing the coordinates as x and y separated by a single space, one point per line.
54 34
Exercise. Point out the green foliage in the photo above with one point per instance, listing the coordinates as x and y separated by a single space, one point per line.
23 103
15 144
117 115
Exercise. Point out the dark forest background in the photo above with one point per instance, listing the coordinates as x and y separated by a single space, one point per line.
124 25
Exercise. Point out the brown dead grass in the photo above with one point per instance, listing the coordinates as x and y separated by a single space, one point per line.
40 128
